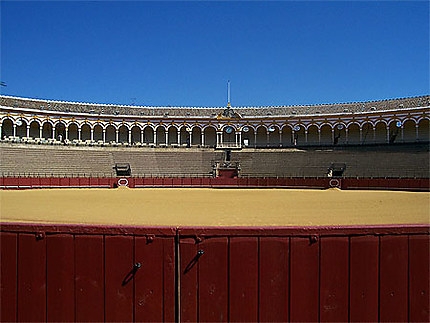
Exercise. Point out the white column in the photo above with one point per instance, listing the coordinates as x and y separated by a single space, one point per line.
332 136
28 131
14 130
167 137
67 133
141 136
178 132
306 136
267 138
203 138
293 137
346 135
240 138
374 134
129 136
116 135
104 135
361 135
319 136
255 138
388 134
416 132
280 138
155 136
401 132
92 134
190 135
41 131
79 133
53 132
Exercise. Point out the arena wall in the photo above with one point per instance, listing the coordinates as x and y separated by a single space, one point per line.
84 273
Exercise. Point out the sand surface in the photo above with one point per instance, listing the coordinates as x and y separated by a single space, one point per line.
214 207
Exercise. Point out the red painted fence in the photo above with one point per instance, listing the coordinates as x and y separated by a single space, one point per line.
75 273
416 184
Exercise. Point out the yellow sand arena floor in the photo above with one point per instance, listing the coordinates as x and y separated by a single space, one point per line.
214 207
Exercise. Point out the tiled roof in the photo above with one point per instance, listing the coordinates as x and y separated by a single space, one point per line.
111 109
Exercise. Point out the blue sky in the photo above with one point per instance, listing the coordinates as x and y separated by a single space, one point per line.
183 53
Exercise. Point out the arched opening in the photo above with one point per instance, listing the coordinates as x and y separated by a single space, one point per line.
326 135
196 136
135 135
248 136
210 136
148 135
381 133
34 129
409 131
73 131
161 135
173 135
287 136
7 128
85 132
98 133
21 128
123 134
367 133
184 136
394 131
423 130
313 135
60 131
47 130
339 134
299 137
353 134
110 134
228 135
261 140
274 136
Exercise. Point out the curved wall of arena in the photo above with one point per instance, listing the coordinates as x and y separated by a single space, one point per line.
403 120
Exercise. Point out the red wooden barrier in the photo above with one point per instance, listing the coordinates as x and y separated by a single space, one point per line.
364 278
177 182
8 278
74 273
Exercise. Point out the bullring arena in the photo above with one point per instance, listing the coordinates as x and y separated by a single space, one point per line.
289 213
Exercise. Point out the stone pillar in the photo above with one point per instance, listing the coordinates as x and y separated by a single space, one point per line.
28 131
203 138
67 133
167 137
116 135
92 134
178 132
332 136
388 134
293 137
280 138
255 138
401 133
319 136
155 137
306 136
14 130
240 138
53 132
416 132
41 131
190 135
104 135
374 134
346 135
129 136
79 133
141 136
267 138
